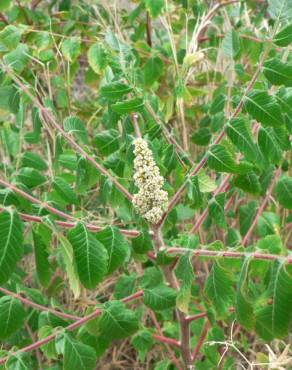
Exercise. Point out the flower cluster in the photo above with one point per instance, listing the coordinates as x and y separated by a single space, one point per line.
151 201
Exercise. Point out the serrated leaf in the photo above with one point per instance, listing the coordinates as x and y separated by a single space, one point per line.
218 288
264 108
18 58
48 349
41 258
91 257
155 7
75 126
284 191
107 141
231 44
142 342
30 177
10 37
160 298
12 316
65 191
20 361
117 321
206 184
282 301
71 48
278 73
248 182
153 69
284 37
128 106
239 133
97 58
116 246
269 145
244 306
33 160
280 10
77 355
115 90
216 210
184 272
70 265
221 160
11 249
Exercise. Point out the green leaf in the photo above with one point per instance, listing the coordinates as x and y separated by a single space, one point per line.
11 249
33 160
264 108
9 99
116 246
218 288
153 69
160 298
71 48
12 316
155 7
107 141
75 126
244 306
10 37
216 210
269 145
77 355
65 191
91 257
20 361
231 44
41 252
97 58
31 177
5 4
221 160
206 184
48 349
284 191
18 58
184 272
282 300
125 286
278 73
128 106
280 10
115 90
246 216
117 321
70 265
248 182
142 342
239 133
284 37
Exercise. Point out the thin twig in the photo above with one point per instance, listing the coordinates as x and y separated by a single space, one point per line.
71 225
38 306
229 254
70 327
148 29
201 341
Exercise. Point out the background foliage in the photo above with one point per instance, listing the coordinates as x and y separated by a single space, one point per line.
86 283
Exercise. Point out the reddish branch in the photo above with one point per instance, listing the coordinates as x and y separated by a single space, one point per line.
230 254
167 340
38 306
201 341
68 225
71 327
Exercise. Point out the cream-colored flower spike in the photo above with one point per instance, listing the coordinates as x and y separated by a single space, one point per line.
151 201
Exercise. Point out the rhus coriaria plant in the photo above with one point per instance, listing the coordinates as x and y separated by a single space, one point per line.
145 184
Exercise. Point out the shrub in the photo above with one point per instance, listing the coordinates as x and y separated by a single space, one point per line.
145 184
